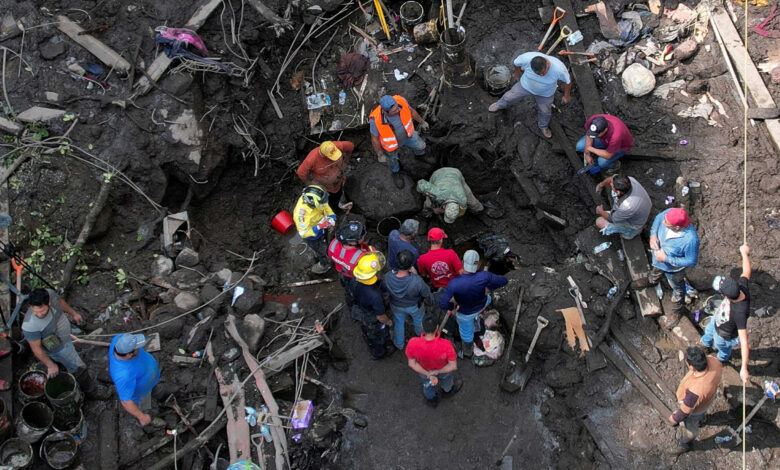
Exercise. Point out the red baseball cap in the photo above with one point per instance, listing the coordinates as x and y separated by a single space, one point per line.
678 217
435 234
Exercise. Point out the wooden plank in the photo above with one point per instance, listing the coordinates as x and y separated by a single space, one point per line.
108 438
162 62
96 47
614 459
749 75
667 393
237 427
6 364
278 363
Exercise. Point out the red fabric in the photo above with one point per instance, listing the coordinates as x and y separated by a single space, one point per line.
324 171
678 217
435 234
343 264
441 265
431 355
618 137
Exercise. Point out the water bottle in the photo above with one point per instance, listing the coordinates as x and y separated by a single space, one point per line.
621 256
251 415
198 354
294 308
721 440
601 247
659 291
266 431
342 97
432 381
612 292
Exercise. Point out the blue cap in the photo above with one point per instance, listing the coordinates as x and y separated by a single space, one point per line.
128 343
387 102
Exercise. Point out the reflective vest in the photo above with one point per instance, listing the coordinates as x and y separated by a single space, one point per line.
386 134
345 258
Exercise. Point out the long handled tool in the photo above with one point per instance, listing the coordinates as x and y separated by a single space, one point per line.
541 323
771 391
381 14
518 378
565 33
504 383
557 15
446 317
590 54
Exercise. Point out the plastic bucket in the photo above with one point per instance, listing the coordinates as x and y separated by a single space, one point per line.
16 453
31 386
77 426
387 225
282 222
426 33
497 79
34 421
411 15
6 425
453 51
64 394
59 450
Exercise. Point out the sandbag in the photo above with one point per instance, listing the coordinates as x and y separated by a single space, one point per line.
638 80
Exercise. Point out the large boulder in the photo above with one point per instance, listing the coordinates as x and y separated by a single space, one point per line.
375 195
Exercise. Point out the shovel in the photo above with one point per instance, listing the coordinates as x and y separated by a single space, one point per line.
521 373
505 384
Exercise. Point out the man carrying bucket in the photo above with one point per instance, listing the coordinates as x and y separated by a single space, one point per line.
47 331
134 372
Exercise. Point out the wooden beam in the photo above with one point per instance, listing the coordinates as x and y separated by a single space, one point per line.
162 62
749 75
278 363
96 47
237 427
667 392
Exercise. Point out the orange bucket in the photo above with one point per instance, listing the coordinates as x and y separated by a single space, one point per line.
282 222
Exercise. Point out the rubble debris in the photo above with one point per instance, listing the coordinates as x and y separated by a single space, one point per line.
40 114
106 55
637 80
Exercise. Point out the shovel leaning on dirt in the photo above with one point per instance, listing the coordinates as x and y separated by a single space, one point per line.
518 378
505 384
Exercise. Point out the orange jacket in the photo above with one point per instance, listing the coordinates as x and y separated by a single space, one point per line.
386 134
324 171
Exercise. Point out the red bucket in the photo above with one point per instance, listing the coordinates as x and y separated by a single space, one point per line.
282 222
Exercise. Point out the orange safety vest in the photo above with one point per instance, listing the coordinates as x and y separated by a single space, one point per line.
386 134
344 258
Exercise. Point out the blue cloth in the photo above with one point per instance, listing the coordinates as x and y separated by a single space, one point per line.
407 291
543 103
134 378
602 162
625 230
542 85
445 380
467 324
469 291
368 297
681 248
395 245
399 318
415 143
723 346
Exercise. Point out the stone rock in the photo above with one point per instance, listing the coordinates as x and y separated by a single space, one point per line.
208 292
52 48
774 74
251 301
162 266
223 276
686 50
177 83
600 285
172 329
187 257
52 97
186 279
39 114
167 296
186 301
360 422
253 331
372 190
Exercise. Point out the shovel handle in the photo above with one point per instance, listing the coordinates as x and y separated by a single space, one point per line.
556 18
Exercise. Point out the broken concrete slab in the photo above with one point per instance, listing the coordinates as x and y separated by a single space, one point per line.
39 114
10 127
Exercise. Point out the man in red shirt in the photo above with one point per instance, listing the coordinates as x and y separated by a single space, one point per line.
326 166
439 264
435 361
608 139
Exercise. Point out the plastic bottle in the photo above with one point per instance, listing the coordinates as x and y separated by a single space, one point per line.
721 440
198 354
266 431
601 247
342 97
621 256
294 307
431 382
659 291
612 292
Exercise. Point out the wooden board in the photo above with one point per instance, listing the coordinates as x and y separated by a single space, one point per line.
162 62
6 364
278 363
237 427
108 439
756 87
96 47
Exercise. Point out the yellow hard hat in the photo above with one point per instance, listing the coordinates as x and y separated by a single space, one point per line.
330 150
367 268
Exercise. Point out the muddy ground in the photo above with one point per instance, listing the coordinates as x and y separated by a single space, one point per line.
179 146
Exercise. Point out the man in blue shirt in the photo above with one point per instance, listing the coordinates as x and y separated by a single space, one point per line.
675 246
470 293
134 372
541 74
400 240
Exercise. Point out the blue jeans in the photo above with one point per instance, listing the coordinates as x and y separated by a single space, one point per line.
429 390
723 346
625 230
602 162
468 321
676 281
68 357
399 317
543 103
415 142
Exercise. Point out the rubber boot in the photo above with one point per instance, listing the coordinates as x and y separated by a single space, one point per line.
468 349
91 389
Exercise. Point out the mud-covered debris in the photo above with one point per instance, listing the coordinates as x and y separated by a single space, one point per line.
39 114
187 258
186 301
162 266
252 331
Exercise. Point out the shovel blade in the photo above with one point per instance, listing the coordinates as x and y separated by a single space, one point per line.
516 377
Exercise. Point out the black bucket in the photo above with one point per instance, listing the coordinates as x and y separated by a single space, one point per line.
77 426
460 75
16 453
411 15
454 49
31 386
387 225
34 421
59 450
427 33
497 79
64 394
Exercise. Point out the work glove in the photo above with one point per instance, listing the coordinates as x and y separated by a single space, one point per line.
324 224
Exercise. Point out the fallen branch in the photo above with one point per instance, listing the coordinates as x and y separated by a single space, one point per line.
16 164
86 229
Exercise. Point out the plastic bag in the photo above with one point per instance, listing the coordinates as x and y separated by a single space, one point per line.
638 80
493 342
